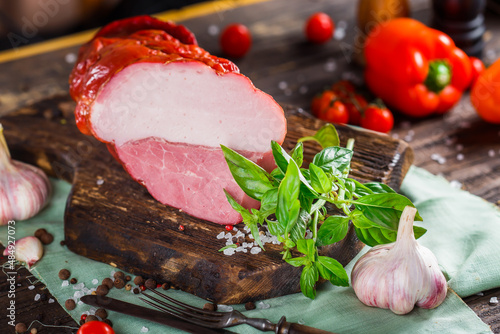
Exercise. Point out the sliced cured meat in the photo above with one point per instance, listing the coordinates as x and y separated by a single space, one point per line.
165 107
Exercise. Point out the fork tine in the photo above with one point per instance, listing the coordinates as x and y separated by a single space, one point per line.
192 320
181 312
189 307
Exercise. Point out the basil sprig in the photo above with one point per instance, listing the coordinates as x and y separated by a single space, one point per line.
293 201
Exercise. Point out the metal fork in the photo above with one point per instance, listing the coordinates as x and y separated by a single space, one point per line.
212 319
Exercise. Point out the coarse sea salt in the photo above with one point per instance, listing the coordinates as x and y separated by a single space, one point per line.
263 306
31 287
229 251
51 301
80 302
455 184
255 250
493 300
221 235
65 283
37 297
78 286
95 281
144 329
78 294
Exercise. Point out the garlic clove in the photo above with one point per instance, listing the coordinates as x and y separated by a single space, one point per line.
27 249
24 189
399 275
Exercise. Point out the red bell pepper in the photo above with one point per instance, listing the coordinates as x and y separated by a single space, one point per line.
415 69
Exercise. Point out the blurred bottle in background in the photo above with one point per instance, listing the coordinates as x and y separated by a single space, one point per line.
463 21
372 13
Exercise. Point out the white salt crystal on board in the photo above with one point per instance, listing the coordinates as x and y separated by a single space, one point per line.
31 287
144 329
65 283
263 306
224 308
95 281
37 297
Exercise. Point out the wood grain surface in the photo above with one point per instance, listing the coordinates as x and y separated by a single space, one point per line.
284 65
119 223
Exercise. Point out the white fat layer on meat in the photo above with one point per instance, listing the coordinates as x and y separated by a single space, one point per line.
187 103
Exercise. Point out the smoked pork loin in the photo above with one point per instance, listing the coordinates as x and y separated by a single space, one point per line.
163 105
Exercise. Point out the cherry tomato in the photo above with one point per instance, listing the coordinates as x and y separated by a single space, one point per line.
321 102
377 119
337 113
355 105
477 69
344 88
235 40
319 28
95 327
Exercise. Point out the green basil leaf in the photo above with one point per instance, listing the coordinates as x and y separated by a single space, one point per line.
373 236
326 136
282 160
333 159
269 201
227 246
384 209
298 231
254 228
418 231
333 229
288 205
372 188
280 156
307 247
305 201
297 261
365 236
319 180
298 154
251 178
359 220
245 214
332 270
308 280
275 228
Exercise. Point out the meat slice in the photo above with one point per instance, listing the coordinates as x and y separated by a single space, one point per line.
165 107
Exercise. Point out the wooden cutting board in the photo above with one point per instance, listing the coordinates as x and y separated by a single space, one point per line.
112 219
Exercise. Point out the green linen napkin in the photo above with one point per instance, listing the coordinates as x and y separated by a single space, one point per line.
463 233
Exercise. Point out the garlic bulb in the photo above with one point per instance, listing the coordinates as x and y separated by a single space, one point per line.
24 189
27 249
401 274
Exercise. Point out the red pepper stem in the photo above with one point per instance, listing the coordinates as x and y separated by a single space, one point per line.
439 75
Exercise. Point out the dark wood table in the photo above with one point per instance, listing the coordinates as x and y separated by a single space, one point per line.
284 65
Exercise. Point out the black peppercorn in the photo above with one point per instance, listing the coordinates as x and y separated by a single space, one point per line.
101 313
150 283
108 282
102 290
64 274
73 281
249 306
70 304
138 280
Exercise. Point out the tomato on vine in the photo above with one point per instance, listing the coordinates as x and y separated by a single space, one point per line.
477 69
377 118
319 28
235 40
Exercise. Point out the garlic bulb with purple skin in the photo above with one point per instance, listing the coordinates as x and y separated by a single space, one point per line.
399 275
28 250
24 189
